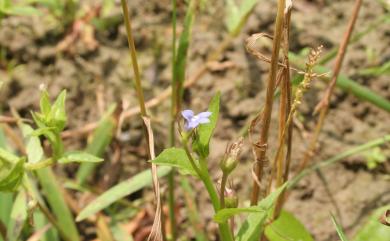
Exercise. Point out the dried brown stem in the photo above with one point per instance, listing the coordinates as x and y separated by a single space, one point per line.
323 105
261 152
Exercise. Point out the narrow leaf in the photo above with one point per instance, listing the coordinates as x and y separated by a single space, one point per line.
339 229
18 217
120 191
227 213
55 198
205 131
101 139
78 156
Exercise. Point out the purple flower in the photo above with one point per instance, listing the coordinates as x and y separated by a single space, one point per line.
192 121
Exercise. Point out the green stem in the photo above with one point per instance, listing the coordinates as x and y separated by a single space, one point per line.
39 165
203 173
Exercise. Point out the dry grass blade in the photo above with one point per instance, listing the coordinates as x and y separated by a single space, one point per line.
39 233
156 232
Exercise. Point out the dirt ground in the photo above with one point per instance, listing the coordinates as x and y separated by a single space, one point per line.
96 78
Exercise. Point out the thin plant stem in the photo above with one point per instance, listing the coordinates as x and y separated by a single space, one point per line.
353 151
203 173
157 230
134 61
222 191
323 106
174 109
261 152
39 165
286 100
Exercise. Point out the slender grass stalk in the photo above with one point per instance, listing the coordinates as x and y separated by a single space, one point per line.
323 106
174 109
286 109
261 152
157 230
134 61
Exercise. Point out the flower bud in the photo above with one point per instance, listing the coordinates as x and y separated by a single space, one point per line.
230 161
231 199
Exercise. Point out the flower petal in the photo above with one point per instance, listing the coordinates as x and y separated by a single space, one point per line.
187 114
203 121
205 114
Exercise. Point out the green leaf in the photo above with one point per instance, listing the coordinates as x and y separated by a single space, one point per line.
40 222
287 227
18 217
175 157
6 206
33 144
8 157
120 191
225 214
52 190
22 11
237 16
45 103
373 229
184 41
250 230
205 131
339 229
11 175
57 112
101 139
78 156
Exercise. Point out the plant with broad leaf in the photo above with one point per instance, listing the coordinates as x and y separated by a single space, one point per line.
193 158
50 122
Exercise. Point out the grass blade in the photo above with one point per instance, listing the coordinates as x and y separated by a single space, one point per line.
119 191
101 138
339 229
52 190
18 217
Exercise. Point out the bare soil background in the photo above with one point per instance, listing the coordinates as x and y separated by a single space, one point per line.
96 78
